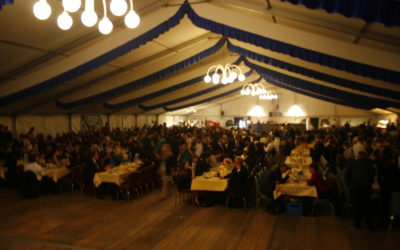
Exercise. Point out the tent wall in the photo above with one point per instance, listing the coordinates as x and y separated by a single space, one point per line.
242 106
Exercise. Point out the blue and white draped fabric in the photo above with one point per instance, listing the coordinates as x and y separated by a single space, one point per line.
314 74
5 2
145 80
347 98
230 32
381 11
188 97
204 100
135 101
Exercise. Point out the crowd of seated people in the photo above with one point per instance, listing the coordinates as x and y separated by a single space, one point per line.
182 153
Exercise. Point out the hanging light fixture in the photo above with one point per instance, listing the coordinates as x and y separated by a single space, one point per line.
258 89
42 11
270 95
224 75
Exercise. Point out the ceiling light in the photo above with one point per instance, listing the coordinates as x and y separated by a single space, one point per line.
64 21
71 5
89 17
118 7
42 10
224 75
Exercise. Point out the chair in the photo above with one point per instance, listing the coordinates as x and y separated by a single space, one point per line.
30 185
258 187
322 201
132 185
235 196
394 208
147 177
75 177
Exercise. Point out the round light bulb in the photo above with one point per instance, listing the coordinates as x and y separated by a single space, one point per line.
242 77
71 5
64 21
42 10
207 79
248 92
242 92
132 19
118 7
105 26
224 80
215 78
89 18
233 75
253 93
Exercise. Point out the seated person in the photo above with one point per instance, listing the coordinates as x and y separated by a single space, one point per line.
34 167
55 158
277 176
215 158
32 182
92 168
75 156
238 179
316 180
200 165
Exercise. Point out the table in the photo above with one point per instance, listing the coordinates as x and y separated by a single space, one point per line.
3 171
117 175
298 161
55 173
201 183
295 189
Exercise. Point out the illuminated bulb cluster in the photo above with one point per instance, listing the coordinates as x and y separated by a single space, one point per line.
224 75
257 89
270 95
89 18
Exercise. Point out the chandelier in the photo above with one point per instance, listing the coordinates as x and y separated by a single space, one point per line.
229 74
258 89
89 18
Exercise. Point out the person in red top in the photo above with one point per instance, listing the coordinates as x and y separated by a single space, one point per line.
318 181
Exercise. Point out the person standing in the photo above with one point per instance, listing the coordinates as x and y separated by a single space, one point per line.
360 175
165 163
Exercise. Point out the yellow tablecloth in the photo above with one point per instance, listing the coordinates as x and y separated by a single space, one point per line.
55 173
117 175
3 171
298 160
200 183
298 189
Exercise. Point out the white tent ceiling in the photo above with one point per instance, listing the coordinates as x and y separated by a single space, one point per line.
33 51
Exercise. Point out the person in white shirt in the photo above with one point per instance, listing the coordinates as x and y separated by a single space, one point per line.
34 167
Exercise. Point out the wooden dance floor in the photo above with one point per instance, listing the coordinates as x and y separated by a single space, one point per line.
79 221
